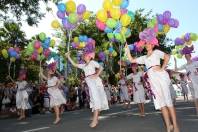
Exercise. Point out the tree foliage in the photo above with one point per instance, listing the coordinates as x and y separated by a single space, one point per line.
28 10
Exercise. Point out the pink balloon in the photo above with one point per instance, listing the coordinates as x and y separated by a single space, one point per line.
100 25
17 49
156 28
46 53
154 41
37 44
124 11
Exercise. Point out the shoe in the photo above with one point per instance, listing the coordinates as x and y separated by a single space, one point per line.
56 121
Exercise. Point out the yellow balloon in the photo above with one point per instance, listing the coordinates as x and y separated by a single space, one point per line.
114 53
86 15
40 50
82 45
102 15
76 40
125 20
166 28
117 2
115 13
12 59
70 6
107 5
55 24
4 53
123 30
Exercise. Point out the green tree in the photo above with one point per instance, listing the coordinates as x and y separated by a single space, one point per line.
20 10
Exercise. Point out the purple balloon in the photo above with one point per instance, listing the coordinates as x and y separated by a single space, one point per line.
176 25
101 56
165 20
187 50
160 18
81 9
179 41
73 45
167 14
67 24
60 14
187 37
171 22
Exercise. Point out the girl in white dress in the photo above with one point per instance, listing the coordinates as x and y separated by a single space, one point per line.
158 77
98 98
124 91
183 85
107 89
56 97
138 89
192 71
22 96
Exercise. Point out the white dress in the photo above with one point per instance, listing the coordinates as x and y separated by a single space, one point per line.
138 89
56 97
184 87
190 85
159 80
172 90
108 92
124 90
22 96
192 70
98 98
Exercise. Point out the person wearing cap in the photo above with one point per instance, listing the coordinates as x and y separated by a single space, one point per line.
157 77
98 98
138 89
56 97
191 68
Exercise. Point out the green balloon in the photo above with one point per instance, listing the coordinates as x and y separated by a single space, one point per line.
118 36
42 36
132 15
73 18
174 51
193 36
30 47
110 35
111 23
179 56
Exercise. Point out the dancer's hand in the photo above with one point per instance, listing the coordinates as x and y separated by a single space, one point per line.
94 76
67 54
127 50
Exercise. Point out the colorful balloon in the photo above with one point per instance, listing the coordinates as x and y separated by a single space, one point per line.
73 18
115 13
70 6
4 53
81 9
102 15
117 2
86 15
42 36
111 23
125 20
107 5
61 7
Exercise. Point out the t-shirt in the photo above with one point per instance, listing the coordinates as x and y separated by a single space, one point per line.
152 60
52 81
90 68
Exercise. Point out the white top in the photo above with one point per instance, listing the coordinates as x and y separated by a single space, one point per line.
52 81
152 60
136 77
21 85
191 68
90 68
122 82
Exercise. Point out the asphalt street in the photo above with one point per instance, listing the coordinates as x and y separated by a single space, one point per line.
116 119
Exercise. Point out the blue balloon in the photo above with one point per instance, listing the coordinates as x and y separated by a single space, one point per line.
46 43
108 30
81 38
131 47
111 49
13 54
160 28
125 4
85 38
61 7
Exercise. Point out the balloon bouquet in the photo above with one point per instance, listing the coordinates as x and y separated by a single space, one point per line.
13 53
184 44
160 24
80 43
114 20
39 49
71 16
163 22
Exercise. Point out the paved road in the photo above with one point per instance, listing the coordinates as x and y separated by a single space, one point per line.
116 119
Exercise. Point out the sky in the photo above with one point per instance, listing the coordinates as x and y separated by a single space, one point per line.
183 10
